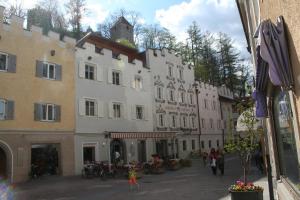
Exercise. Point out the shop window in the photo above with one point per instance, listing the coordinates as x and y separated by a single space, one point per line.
287 149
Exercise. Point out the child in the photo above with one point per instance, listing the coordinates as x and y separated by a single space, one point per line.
132 178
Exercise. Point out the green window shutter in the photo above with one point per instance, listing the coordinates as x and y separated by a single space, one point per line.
39 69
12 63
57 113
38 112
9 110
58 72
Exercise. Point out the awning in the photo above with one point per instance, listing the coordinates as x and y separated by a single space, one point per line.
272 62
142 135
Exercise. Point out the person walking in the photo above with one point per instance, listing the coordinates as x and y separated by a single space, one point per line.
213 160
204 158
220 161
132 178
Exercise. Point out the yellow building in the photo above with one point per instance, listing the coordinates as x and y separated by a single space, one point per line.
36 102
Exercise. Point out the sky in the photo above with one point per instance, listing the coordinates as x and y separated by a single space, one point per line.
176 15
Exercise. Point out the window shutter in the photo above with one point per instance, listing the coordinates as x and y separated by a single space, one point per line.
58 72
110 110
57 112
9 110
81 69
146 113
100 109
81 107
123 111
99 73
37 112
133 111
109 76
39 69
12 63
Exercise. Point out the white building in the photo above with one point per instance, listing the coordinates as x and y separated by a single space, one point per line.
210 117
174 104
113 98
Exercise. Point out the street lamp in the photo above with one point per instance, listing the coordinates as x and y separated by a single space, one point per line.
195 85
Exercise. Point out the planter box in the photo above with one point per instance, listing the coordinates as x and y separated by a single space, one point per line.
246 195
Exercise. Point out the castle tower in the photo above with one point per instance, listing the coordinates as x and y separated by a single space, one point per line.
122 29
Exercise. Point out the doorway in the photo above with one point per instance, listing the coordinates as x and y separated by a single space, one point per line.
142 151
88 154
3 164
162 148
118 147
45 159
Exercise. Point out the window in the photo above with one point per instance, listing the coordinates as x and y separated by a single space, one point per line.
182 97
170 71
90 107
159 92
88 154
211 123
138 82
184 145
139 112
173 121
218 144
116 78
184 121
89 72
191 99
48 112
2 109
203 123
287 147
161 122
219 124
117 110
209 143
205 104
202 144
193 122
193 144
172 95
49 70
181 74
214 105
3 62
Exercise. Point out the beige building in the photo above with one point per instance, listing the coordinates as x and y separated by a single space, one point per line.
283 106
37 116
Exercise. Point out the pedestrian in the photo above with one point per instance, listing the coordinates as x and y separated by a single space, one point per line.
117 158
132 178
213 160
204 158
220 161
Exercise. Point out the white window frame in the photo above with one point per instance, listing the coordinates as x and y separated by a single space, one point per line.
48 73
173 121
142 114
48 105
184 121
193 122
2 117
6 62
85 108
172 95
94 72
191 99
115 114
114 79
161 120
182 97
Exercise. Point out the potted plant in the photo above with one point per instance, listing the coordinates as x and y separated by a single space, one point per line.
245 145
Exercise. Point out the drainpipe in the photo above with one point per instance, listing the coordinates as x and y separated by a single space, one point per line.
199 124
223 131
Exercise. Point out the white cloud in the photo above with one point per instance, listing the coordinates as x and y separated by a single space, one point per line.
95 14
211 15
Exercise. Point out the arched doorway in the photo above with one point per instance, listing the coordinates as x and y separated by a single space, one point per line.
119 146
5 161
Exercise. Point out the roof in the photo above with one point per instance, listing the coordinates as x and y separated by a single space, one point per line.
121 20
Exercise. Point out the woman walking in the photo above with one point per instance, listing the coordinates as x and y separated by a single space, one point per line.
213 160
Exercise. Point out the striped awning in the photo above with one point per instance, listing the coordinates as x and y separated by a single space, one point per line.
141 135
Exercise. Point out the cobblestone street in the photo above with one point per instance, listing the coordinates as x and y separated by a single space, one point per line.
196 182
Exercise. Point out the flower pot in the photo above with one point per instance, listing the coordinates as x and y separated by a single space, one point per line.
247 195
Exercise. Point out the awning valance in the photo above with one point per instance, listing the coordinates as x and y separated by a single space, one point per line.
142 135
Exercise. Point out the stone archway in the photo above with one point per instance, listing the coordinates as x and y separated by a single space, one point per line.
6 170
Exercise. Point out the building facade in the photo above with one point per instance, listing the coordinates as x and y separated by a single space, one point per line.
37 117
229 117
174 103
210 117
282 120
